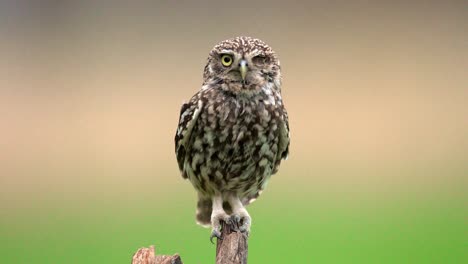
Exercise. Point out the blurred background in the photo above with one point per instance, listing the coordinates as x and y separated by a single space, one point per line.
90 93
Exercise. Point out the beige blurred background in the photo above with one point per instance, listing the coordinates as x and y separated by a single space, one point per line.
90 93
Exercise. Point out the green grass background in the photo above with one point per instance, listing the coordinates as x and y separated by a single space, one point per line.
291 224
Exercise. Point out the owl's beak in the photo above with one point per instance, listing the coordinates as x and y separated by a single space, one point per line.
243 69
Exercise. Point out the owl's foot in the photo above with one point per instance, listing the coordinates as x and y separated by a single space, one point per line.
242 220
240 217
216 219
217 216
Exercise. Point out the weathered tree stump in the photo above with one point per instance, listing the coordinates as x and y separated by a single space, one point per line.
147 256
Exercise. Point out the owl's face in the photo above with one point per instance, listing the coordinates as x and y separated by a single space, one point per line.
242 65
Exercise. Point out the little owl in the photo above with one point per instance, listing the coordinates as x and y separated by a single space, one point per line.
234 132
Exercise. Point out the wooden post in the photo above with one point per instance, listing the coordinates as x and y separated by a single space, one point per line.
232 248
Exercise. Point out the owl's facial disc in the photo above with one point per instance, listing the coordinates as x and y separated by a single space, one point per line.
245 72
242 65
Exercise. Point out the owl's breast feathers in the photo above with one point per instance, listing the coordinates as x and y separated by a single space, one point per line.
229 139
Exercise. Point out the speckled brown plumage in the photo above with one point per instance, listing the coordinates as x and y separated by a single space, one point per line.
234 132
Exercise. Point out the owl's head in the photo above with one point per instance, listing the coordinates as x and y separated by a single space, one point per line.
242 65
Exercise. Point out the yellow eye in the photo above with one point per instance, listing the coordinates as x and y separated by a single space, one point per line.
226 60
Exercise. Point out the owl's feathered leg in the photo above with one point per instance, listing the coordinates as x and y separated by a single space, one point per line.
204 209
240 214
217 215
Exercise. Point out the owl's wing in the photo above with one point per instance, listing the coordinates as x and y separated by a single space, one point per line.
283 144
284 137
283 151
189 113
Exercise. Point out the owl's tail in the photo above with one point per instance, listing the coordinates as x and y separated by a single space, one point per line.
204 208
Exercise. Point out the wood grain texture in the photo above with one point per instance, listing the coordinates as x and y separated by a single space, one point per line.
233 247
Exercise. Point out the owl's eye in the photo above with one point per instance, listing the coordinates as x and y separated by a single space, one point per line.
260 60
226 60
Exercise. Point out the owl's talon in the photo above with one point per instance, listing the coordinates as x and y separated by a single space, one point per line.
241 223
235 222
235 219
245 227
215 233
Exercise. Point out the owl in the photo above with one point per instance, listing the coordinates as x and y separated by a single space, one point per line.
234 132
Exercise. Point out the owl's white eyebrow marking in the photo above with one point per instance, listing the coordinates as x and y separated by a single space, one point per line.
227 52
255 52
